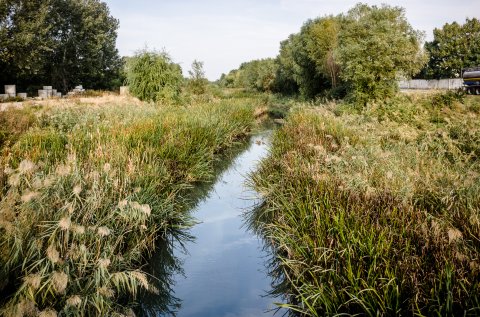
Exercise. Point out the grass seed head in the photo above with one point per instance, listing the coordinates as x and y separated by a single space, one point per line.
33 280
59 281
103 231
77 189
26 167
29 196
74 301
64 223
53 254
48 313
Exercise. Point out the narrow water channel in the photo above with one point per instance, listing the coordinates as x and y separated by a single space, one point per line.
223 268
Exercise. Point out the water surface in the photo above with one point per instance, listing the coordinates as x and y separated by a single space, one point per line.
223 271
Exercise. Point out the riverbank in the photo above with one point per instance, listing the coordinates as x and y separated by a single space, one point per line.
376 211
87 189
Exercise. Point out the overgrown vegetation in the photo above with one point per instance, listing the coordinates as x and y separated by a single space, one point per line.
376 211
88 188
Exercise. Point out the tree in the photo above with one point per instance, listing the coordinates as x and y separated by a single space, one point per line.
25 41
453 48
152 76
197 82
59 42
321 39
377 45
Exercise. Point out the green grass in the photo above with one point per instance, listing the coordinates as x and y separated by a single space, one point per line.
375 211
87 189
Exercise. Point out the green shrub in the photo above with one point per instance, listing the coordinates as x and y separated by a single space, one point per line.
152 76
448 98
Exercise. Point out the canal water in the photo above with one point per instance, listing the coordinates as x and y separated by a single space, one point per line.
221 270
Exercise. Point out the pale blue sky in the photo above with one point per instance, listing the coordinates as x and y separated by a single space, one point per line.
223 34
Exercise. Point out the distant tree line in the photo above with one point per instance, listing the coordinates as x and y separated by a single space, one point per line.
58 42
360 55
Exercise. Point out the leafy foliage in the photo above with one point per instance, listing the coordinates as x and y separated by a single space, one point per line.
454 47
376 46
152 76
58 42
197 82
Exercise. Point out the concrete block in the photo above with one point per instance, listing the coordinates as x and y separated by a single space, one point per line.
11 90
22 95
47 87
42 93
124 91
54 92
3 96
59 94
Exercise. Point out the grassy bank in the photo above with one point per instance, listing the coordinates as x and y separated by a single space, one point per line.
87 188
376 211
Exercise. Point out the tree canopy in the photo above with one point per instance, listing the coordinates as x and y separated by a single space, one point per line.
365 50
454 47
152 76
377 46
58 42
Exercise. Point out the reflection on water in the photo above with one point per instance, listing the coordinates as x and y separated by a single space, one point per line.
222 271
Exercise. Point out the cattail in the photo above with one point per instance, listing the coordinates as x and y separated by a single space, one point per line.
53 254
59 281
74 301
26 167
103 231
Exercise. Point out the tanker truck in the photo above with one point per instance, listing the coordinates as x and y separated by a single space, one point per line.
471 80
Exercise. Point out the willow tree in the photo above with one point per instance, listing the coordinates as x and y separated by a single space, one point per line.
152 76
